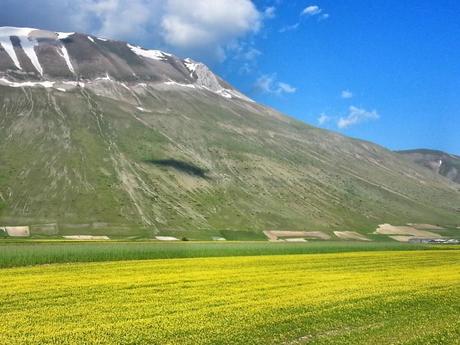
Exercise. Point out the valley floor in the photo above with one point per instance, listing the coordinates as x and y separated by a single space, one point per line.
374 297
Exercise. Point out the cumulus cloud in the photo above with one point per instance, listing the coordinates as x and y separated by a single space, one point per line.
269 84
199 27
346 94
323 119
117 18
205 24
312 10
357 115
315 11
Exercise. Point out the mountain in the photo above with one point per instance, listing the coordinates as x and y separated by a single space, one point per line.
441 163
103 134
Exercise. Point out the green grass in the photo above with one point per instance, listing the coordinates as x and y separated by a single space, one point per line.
26 253
397 297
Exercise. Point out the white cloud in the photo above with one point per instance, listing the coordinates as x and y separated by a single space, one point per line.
290 27
309 11
208 24
269 84
315 11
323 119
312 10
286 88
357 115
120 19
200 28
346 94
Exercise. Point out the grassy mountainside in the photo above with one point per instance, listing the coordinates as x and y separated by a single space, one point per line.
440 162
181 158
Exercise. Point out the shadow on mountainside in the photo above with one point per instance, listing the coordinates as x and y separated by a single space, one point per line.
181 166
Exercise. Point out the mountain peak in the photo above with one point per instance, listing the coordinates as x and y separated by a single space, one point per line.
32 57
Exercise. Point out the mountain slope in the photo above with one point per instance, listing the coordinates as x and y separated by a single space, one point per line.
440 162
99 131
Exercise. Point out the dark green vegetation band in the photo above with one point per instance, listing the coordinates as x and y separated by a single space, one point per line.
38 253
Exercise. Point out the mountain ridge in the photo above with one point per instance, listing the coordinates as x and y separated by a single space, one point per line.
78 57
442 163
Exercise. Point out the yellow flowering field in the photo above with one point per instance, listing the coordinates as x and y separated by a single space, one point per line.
346 298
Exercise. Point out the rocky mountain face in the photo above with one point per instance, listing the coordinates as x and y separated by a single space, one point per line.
439 162
103 132
55 59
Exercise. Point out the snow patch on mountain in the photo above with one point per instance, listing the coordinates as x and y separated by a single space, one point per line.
171 82
65 54
91 39
206 79
27 42
203 75
191 65
46 84
28 45
150 54
225 93
5 40
58 84
107 77
64 86
13 31
74 83
64 35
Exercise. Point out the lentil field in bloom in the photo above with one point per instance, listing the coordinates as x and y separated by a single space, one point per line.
382 297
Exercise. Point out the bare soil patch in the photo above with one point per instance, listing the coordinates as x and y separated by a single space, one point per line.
401 238
215 238
388 229
17 231
405 233
425 226
295 239
166 238
276 235
351 235
86 237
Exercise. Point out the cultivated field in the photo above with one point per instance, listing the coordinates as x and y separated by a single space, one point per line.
382 297
27 252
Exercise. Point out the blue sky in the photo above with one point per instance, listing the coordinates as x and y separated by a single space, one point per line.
386 71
